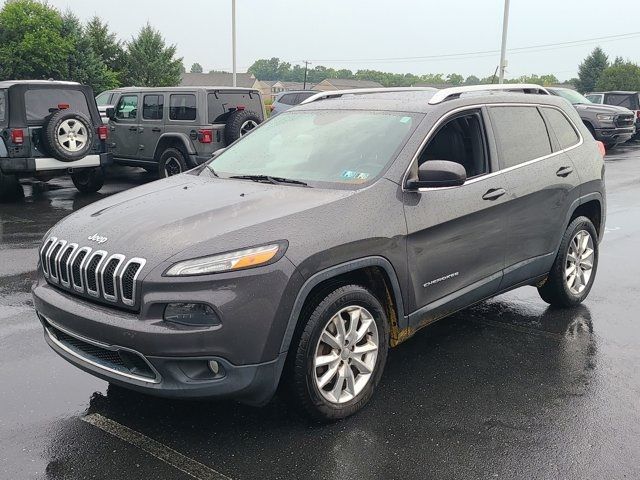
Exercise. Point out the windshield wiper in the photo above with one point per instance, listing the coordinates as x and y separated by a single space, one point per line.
270 179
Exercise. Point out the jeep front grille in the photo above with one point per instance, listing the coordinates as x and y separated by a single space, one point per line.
98 274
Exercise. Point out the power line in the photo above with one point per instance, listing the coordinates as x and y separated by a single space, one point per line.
463 55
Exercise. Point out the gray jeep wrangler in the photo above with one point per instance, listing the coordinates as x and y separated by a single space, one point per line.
49 129
178 128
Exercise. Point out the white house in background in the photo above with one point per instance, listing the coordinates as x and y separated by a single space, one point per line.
344 84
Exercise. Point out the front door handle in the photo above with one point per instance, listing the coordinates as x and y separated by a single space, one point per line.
564 171
156 129
133 129
494 194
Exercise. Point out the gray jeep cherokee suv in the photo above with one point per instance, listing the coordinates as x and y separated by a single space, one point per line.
338 229
168 130
48 129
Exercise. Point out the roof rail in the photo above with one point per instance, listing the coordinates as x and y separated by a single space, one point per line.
363 91
455 92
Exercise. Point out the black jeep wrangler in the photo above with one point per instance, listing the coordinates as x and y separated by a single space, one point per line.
48 129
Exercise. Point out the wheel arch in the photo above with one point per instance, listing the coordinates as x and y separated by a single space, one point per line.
176 140
375 273
592 207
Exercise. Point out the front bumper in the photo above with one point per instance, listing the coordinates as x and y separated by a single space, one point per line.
614 135
172 377
48 164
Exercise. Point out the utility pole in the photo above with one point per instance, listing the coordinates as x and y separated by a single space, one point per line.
503 50
233 41
306 66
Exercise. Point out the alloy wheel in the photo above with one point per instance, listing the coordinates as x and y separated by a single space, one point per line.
72 135
247 126
579 264
346 353
172 167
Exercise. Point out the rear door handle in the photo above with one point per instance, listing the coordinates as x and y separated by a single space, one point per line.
156 129
564 171
494 193
133 129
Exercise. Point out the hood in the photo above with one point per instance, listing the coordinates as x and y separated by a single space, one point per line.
601 108
163 218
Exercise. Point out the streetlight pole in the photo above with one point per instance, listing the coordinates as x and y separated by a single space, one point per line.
233 41
503 50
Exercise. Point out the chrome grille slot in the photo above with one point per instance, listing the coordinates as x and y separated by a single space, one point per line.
128 278
43 255
76 268
52 256
80 269
109 289
91 272
63 264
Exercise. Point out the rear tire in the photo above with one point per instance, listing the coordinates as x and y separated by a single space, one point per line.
10 187
240 123
88 180
68 135
172 162
574 269
365 325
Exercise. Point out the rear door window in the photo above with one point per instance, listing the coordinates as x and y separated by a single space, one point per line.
221 102
182 106
152 106
39 102
521 134
561 127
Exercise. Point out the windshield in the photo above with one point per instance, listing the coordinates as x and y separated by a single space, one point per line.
571 95
325 146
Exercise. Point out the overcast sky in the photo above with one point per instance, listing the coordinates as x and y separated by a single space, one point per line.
367 33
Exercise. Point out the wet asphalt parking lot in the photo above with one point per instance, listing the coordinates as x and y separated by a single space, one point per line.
507 389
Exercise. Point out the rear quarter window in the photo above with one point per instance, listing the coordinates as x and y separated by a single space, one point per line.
288 99
3 106
625 100
561 127
521 134
221 102
39 102
182 107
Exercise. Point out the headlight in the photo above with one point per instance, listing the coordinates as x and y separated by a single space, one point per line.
605 116
225 262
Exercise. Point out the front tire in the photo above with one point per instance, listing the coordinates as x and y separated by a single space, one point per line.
88 180
340 354
574 269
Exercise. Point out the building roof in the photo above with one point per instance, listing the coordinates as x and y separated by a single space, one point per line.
342 83
218 79
295 85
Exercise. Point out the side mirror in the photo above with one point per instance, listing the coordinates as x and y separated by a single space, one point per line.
217 152
111 113
438 174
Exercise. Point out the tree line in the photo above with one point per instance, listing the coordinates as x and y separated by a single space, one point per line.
274 69
39 42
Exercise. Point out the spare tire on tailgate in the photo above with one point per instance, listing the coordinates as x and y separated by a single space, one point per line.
240 123
67 135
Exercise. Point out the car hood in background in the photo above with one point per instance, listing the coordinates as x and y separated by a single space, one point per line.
601 108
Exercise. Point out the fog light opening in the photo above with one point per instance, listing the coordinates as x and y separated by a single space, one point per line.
214 366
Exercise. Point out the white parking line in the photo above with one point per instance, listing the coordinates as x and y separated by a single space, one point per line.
166 454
